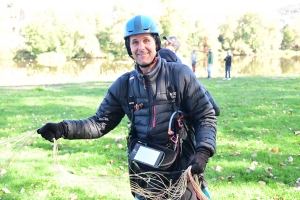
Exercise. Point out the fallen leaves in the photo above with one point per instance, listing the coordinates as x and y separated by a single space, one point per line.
261 183
254 155
298 183
268 169
6 191
275 150
236 153
289 112
218 168
252 167
73 197
3 171
290 159
104 173
22 190
119 139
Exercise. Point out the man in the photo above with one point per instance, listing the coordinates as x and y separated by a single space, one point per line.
210 61
227 60
173 44
170 56
149 96
194 60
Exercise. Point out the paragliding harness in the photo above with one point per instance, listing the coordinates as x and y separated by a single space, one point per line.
169 160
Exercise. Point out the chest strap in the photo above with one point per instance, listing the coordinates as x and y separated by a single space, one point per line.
147 105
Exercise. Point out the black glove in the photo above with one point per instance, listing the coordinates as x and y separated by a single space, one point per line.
198 161
53 130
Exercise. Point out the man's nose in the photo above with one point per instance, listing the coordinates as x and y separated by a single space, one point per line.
141 46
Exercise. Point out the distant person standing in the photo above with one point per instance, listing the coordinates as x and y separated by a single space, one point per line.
209 63
194 60
173 44
227 65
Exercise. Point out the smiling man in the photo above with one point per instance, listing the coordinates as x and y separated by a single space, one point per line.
161 99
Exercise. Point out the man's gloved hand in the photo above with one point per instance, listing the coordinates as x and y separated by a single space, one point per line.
52 130
198 161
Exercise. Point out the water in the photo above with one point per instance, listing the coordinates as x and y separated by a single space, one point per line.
17 73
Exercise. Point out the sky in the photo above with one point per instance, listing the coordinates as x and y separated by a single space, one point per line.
218 9
207 9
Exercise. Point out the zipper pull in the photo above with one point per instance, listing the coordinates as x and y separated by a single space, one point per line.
144 83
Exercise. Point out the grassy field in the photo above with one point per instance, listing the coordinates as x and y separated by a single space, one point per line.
258 149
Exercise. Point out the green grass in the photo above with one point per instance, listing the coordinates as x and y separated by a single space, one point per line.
256 128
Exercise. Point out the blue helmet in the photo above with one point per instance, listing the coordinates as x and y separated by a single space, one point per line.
138 25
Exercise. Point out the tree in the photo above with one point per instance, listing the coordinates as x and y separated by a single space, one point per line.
291 35
228 32
111 36
72 34
251 32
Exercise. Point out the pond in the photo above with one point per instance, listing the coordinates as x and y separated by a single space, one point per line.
17 73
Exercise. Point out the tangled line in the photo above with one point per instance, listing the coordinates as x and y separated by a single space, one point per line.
161 187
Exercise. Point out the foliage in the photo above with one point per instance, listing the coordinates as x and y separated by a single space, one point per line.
291 32
73 35
257 148
250 33
23 55
82 33
227 32
174 23
111 37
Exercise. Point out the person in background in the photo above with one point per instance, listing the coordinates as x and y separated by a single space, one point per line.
170 56
194 60
210 61
152 96
173 44
227 65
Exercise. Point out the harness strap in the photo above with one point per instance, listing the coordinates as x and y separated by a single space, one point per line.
147 105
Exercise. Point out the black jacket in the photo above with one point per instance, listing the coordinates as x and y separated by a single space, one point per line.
152 123
170 56
227 60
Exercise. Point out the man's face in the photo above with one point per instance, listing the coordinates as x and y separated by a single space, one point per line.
143 48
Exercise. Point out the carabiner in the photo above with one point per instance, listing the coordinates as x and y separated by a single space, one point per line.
179 122
174 139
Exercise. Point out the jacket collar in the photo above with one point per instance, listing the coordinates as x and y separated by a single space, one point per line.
150 76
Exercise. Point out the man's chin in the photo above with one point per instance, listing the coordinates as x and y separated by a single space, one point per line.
144 64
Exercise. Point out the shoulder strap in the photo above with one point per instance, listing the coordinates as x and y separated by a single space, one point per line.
131 99
171 94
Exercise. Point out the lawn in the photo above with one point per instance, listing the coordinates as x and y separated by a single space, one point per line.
258 145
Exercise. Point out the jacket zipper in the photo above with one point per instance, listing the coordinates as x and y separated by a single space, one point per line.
144 83
154 116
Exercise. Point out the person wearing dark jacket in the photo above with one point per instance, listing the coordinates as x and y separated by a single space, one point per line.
170 56
227 65
150 96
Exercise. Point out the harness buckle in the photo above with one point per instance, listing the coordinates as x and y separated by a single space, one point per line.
138 106
174 139
180 125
